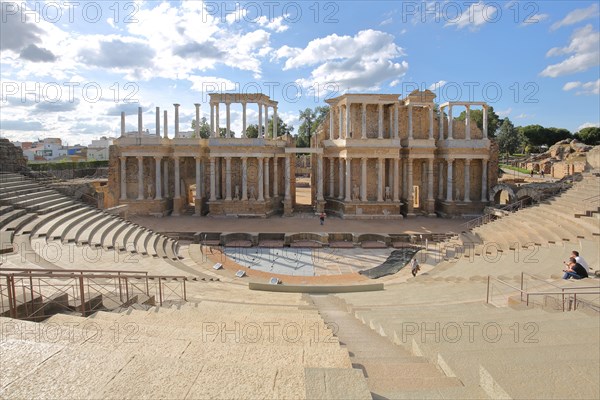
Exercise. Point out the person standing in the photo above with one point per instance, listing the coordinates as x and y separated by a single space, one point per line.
322 218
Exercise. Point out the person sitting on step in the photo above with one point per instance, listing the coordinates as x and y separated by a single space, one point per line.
574 270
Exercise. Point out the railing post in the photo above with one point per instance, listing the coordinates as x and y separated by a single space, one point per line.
184 292
521 295
12 301
126 289
487 295
159 291
563 299
574 301
82 294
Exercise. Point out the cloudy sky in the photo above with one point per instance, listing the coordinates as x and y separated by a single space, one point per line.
69 69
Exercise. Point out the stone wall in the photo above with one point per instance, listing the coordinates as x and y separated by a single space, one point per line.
11 157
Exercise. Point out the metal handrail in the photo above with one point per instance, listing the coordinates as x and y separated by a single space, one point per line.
72 271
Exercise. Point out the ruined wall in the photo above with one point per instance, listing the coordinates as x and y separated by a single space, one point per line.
11 157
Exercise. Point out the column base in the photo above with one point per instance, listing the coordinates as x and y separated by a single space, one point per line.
287 208
177 204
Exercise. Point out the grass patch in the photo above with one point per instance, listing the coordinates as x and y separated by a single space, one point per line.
518 169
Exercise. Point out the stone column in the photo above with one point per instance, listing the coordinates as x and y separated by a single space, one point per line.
217 132
244 178
340 124
441 121
396 179
267 178
363 179
227 178
213 180
288 178
484 179
140 178
176 120
166 188
320 177
212 120
348 178
157 121
157 161
450 122
396 120
260 110
341 179
364 121
122 124
166 125
331 177
331 116
468 123
430 180
219 175
140 125
485 122
177 179
449 180
380 173
275 177
467 197
348 121
404 178
380 121
123 177
266 121
197 130
410 121
228 120
275 122
430 122
199 180
261 188
441 181
244 119
409 186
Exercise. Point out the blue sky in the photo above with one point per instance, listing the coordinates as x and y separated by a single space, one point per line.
68 71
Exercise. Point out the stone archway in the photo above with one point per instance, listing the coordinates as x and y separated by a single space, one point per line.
528 192
497 190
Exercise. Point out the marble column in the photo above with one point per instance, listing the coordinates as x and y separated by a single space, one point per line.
244 178
363 179
396 120
122 124
228 120
320 177
364 121
430 180
260 119
266 121
213 179
176 120
341 179
227 178
331 123
275 177
380 174
441 121
177 179
484 179
275 122
244 119
166 188
348 121
288 178
140 124
430 122
485 122
467 196
409 185
396 179
123 177
199 180
267 179
468 123
450 122
404 178
380 121
157 161
261 188
331 177
348 178
197 130
217 117
165 125
449 180
441 180
410 121
219 175
140 178
157 128
212 120
340 122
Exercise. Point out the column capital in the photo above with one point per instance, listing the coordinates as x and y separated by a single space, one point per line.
122 158
196 104
139 157
176 158
176 104
468 160
227 158
197 158
244 158
158 158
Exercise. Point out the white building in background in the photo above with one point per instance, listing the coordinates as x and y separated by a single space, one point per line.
98 149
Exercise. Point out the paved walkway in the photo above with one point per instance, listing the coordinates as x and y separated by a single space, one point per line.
301 223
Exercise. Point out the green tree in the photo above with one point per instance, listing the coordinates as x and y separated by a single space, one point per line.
311 119
590 135
204 128
510 141
282 128
494 120
252 131
537 135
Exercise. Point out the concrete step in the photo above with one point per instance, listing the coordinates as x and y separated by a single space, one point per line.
52 225
72 234
10 215
103 236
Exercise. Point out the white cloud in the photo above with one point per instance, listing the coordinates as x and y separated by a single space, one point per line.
535 19
212 84
475 16
523 116
577 15
437 85
275 24
386 21
504 113
588 88
588 125
584 51
394 83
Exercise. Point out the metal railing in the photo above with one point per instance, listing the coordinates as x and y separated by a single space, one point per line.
567 295
33 294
